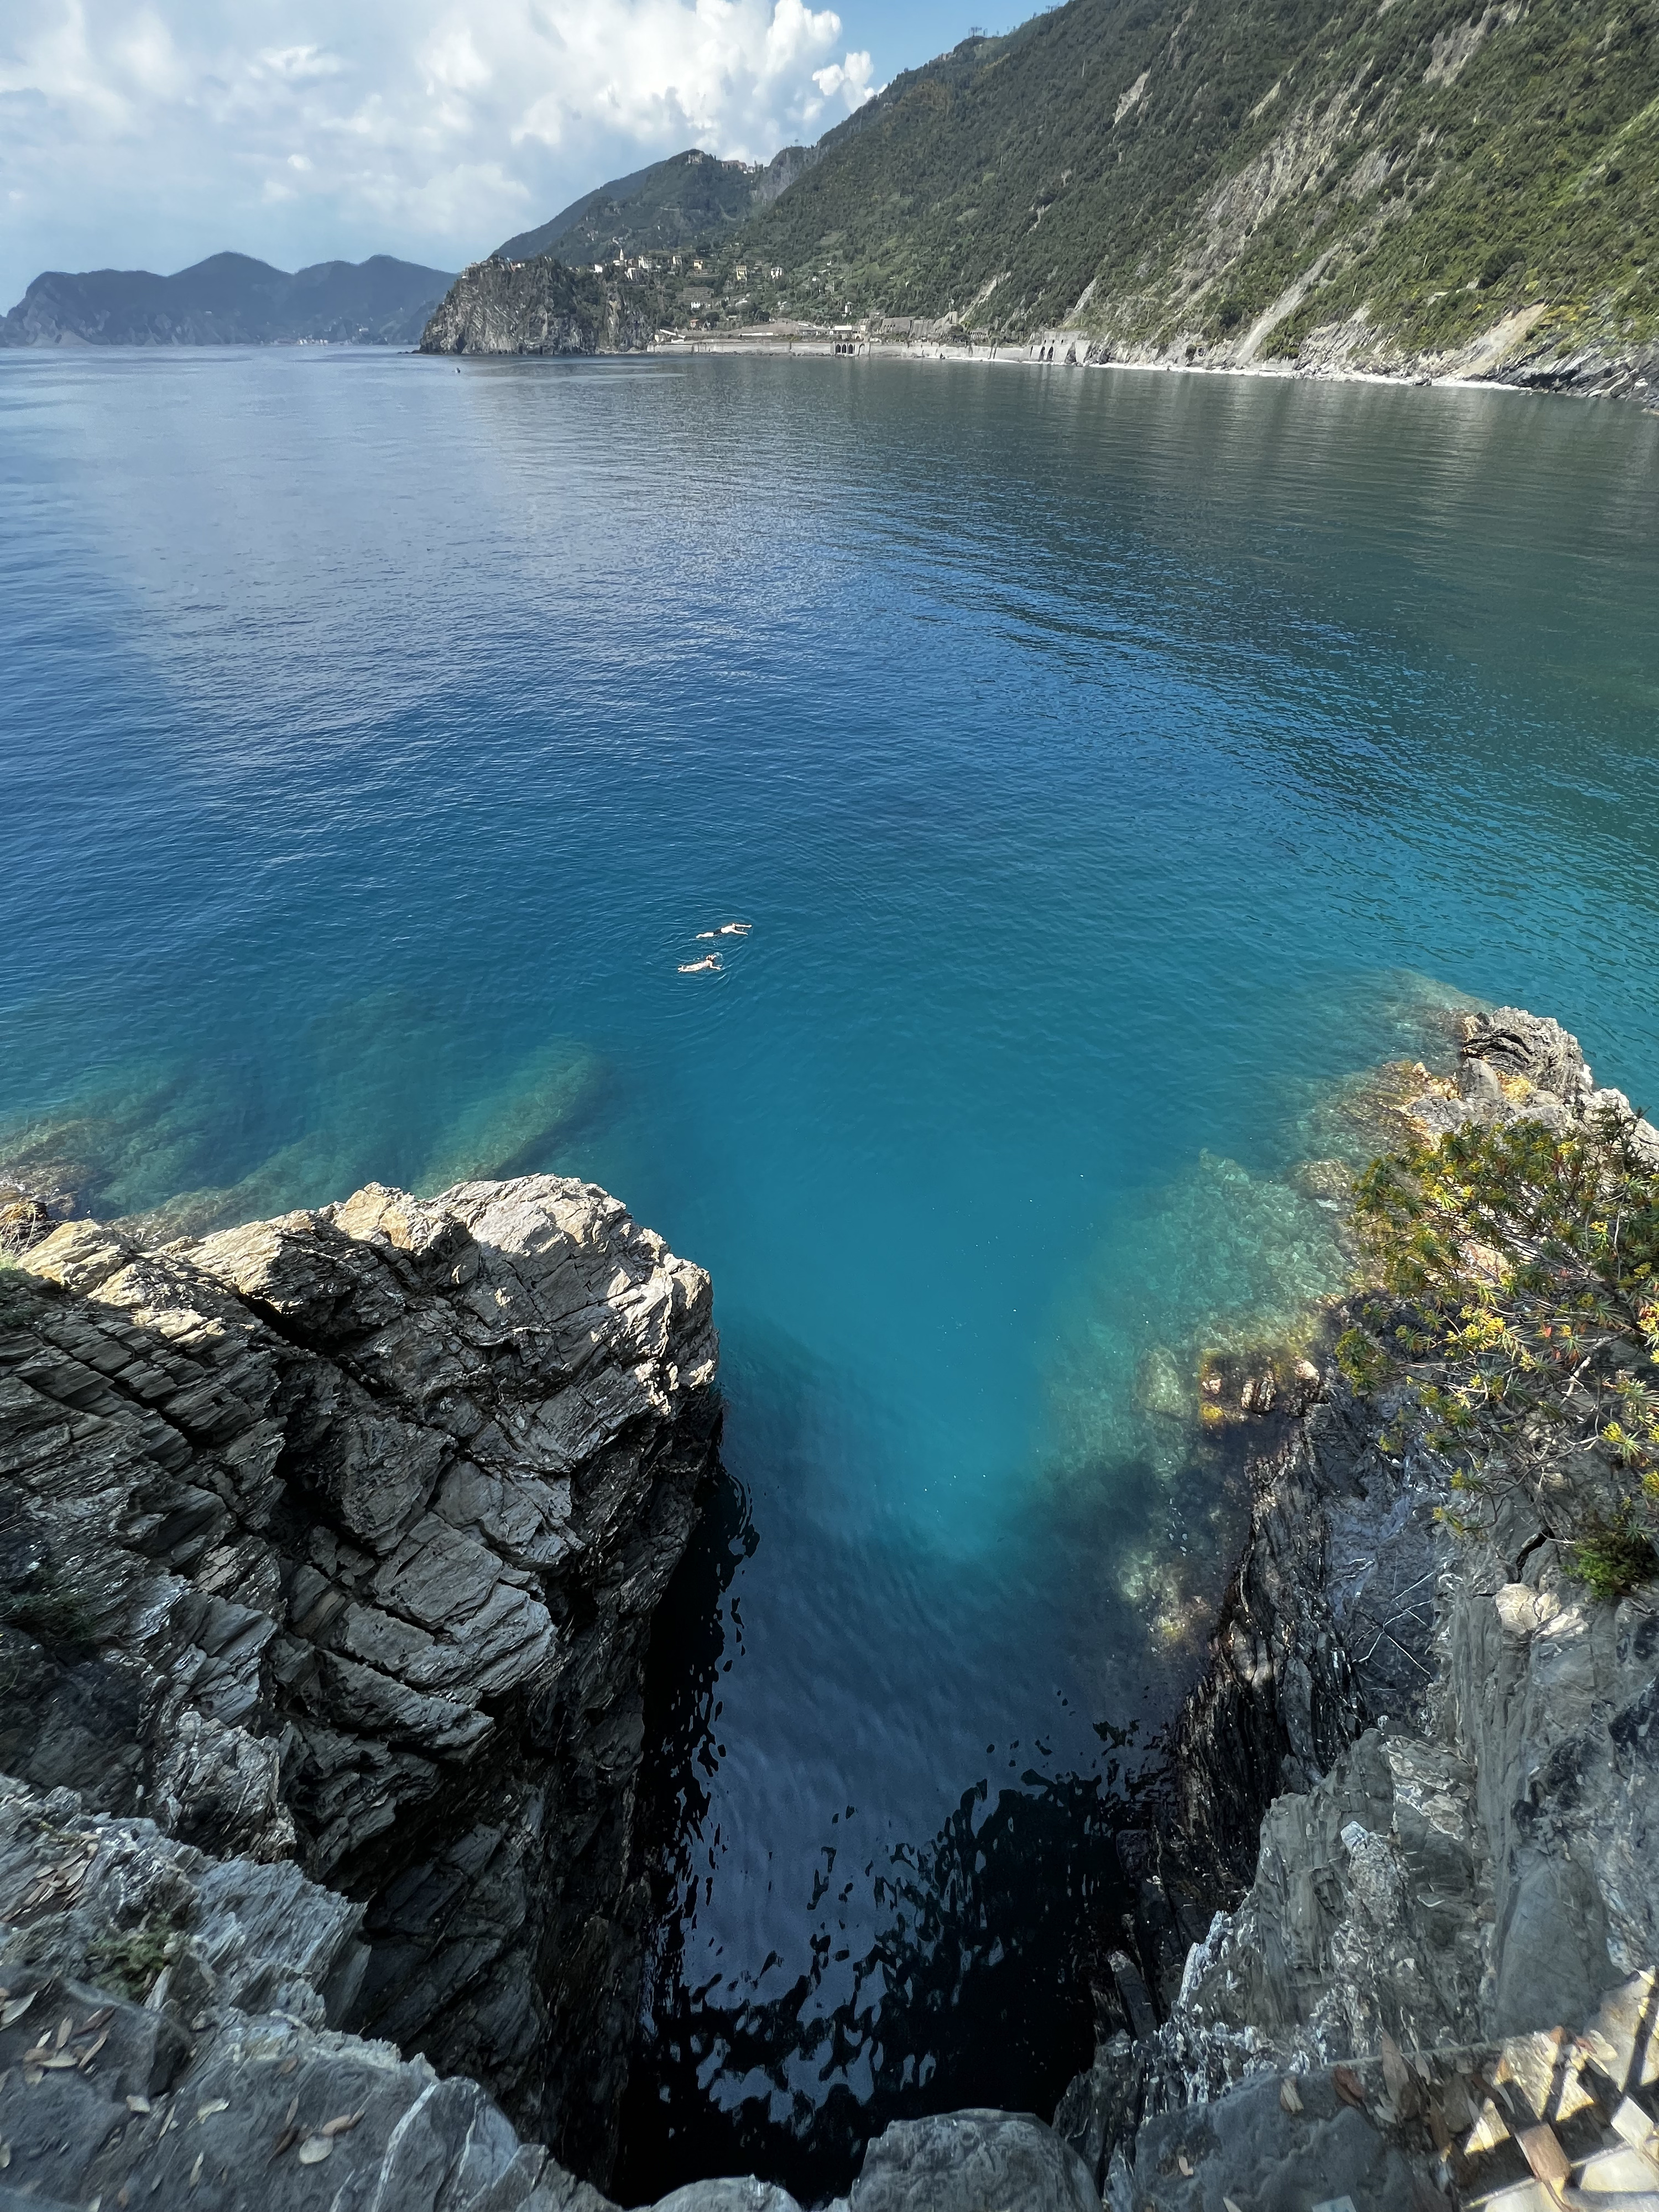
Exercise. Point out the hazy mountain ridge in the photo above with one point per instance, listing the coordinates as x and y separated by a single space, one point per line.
1379 186
229 300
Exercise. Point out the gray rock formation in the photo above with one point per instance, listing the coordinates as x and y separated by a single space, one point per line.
540 306
970 2162
166 2038
336 1539
1459 1864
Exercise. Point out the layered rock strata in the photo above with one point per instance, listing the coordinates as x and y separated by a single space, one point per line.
1449 1748
332 1545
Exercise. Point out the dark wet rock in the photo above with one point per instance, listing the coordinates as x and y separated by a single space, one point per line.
967 2162
337 1540
1248 2147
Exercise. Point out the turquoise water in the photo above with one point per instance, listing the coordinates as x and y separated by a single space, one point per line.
1108 764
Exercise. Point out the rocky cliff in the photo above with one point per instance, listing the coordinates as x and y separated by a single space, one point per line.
540 306
331 1544
329 1549
1440 1978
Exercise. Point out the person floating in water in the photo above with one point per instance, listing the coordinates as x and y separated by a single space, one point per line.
726 929
698 967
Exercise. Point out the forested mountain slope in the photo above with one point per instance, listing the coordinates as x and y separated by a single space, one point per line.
688 200
1384 183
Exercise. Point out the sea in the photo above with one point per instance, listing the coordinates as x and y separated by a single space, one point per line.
1107 769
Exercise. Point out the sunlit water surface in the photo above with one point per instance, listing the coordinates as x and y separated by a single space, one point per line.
1108 764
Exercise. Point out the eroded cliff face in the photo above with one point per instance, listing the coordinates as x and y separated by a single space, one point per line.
539 306
335 1541
1448 1940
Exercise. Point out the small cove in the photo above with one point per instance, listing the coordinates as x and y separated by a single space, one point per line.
1108 765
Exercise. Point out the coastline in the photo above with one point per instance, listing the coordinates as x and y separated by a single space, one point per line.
1075 349
1427 1750
1401 1876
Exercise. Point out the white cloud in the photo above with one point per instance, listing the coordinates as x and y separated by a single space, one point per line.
152 131
847 81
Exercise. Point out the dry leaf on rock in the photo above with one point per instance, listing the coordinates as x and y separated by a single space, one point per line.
1349 2087
315 2149
1540 2147
1290 2096
1398 2079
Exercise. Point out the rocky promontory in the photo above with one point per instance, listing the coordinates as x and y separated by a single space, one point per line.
540 306
330 1546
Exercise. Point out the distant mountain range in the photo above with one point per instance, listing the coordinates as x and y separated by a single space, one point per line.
690 199
229 300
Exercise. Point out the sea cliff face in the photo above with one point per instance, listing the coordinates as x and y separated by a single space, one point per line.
1448 1940
330 1548
538 307
331 1545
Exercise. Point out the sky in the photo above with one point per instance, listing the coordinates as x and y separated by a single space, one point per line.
150 133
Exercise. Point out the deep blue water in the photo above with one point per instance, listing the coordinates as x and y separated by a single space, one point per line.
1108 764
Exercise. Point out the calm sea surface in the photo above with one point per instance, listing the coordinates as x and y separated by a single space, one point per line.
1108 764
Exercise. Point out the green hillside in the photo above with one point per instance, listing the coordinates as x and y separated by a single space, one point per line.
1239 178
689 200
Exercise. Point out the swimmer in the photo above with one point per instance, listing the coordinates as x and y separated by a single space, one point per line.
710 960
733 929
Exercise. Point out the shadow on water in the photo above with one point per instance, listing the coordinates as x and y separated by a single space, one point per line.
979 1987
